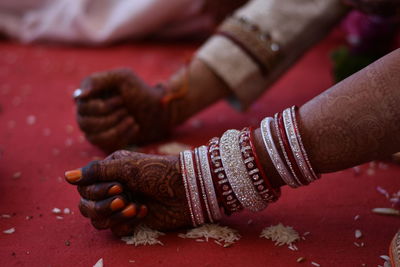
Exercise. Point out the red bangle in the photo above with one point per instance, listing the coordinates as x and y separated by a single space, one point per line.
226 196
254 170
289 152
199 186
276 192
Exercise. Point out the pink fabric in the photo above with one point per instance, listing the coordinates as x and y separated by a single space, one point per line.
100 21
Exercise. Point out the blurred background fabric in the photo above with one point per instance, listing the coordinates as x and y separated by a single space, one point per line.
101 21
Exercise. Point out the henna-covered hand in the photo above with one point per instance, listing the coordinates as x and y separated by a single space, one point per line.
127 189
116 108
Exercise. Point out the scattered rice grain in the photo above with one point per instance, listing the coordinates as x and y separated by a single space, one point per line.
59 217
223 234
282 235
382 191
315 264
99 263
356 244
17 175
143 236
357 234
5 216
56 211
67 211
217 242
301 259
357 217
386 211
9 231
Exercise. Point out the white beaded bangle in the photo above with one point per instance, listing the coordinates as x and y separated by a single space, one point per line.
192 185
303 150
294 145
185 183
236 172
274 154
201 182
296 179
208 183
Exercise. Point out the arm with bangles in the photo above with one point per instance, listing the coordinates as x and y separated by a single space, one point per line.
355 121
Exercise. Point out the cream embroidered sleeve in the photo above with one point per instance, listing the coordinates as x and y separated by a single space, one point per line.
294 24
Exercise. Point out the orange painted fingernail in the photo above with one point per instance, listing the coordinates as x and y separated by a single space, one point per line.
129 211
114 190
143 211
73 176
117 204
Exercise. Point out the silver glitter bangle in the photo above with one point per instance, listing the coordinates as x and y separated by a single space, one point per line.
201 182
184 178
289 163
294 145
208 183
236 172
274 154
303 150
192 185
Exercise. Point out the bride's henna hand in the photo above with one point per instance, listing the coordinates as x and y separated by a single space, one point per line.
153 181
116 109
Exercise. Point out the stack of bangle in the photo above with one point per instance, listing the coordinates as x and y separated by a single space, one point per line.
228 174
258 45
295 169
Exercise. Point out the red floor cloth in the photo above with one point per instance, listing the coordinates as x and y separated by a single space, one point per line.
39 140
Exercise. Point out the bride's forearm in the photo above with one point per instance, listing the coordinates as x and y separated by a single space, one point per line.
355 121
